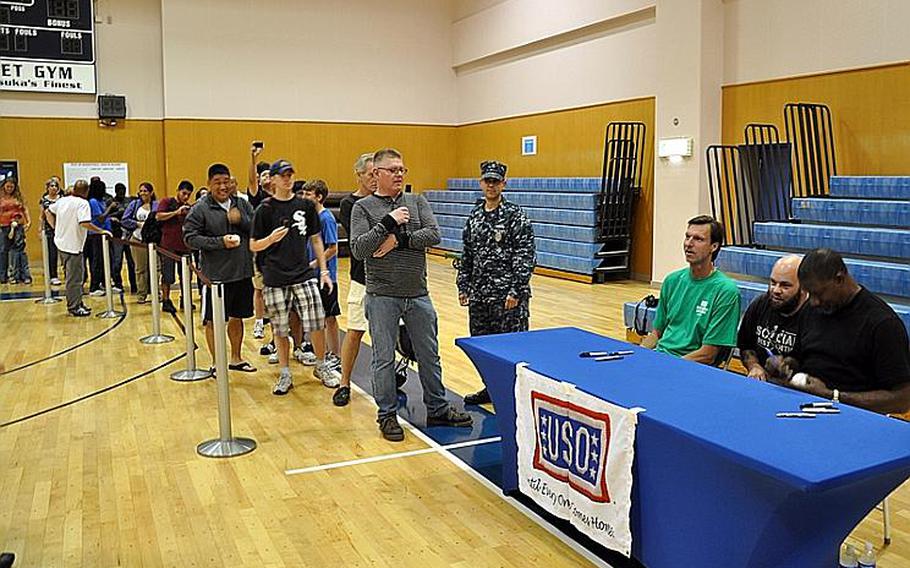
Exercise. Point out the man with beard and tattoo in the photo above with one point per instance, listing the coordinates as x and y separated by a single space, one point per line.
771 324
852 348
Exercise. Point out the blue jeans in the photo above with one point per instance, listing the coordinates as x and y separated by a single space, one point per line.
419 315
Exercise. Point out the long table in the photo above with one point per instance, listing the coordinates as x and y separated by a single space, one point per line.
718 479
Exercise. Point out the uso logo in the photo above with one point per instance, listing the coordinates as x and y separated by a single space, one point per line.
571 445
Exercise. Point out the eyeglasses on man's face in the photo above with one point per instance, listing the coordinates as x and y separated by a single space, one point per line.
401 171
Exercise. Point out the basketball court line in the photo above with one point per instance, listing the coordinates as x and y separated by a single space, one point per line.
444 451
99 335
385 457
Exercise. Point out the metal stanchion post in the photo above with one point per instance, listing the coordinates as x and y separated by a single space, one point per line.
226 445
156 337
48 297
191 373
108 286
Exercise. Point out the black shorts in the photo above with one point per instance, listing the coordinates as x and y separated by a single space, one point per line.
238 300
330 300
170 268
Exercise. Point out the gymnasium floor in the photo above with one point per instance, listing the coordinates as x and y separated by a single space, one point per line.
100 476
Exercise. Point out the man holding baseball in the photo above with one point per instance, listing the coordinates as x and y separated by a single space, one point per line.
219 227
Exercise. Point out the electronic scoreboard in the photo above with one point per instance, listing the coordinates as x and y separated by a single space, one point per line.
47 46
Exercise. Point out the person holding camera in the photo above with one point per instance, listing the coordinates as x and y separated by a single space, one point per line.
219 226
172 212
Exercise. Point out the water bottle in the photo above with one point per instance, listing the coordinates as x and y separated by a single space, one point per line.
848 557
867 558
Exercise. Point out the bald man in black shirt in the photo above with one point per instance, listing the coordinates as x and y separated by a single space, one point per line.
852 347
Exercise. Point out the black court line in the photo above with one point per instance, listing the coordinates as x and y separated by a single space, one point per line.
94 393
73 347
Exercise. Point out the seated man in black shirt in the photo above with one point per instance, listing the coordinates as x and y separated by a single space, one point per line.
770 325
852 346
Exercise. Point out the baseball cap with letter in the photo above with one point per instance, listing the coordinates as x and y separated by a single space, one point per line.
281 166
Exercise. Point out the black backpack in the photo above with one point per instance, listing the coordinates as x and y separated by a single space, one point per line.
151 229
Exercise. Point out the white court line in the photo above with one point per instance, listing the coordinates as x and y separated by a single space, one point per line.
394 456
540 521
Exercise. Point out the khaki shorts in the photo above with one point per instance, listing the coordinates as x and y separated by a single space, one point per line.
357 319
258 283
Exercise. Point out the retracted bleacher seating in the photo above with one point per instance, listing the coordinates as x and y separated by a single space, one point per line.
563 212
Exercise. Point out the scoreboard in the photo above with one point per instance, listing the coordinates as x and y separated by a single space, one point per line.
47 46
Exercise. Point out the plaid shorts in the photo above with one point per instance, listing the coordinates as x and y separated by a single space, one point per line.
303 298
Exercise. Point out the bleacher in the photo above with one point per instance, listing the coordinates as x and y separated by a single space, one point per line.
563 212
865 218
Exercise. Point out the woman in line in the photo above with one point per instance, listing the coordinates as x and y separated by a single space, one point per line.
52 193
97 191
14 222
134 218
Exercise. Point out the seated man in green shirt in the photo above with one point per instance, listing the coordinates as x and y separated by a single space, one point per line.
699 306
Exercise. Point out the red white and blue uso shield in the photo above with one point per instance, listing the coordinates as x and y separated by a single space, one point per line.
575 455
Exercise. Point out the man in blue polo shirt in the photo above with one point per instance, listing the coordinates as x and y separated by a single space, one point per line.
699 305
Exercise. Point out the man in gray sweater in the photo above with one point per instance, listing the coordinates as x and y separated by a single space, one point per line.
219 227
390 231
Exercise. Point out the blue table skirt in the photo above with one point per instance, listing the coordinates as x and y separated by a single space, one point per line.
718 480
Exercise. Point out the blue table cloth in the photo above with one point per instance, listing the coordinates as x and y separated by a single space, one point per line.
718 479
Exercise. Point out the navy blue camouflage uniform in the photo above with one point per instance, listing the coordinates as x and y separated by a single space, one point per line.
497 262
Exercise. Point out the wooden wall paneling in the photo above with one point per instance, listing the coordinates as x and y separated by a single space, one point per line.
570 143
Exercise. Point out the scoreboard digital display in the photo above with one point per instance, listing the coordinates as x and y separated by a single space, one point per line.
47 46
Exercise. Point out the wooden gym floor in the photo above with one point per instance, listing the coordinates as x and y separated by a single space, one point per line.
100 476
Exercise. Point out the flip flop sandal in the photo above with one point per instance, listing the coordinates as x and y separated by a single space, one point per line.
243 367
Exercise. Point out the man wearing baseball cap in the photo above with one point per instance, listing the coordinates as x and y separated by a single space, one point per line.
218 226
282 226
495 269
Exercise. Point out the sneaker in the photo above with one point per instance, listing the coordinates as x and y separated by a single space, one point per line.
142 300
56 282
80 312
390 428
307 358
96 293
283 385
451 417
259 329
327 375
333 361
268 349
342 396
168 307
27 281
116 289
273 358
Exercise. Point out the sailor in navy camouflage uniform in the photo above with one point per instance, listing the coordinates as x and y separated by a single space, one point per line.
497 262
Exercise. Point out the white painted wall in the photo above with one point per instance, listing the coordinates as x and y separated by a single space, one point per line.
525 56
766 39
128 47
319 60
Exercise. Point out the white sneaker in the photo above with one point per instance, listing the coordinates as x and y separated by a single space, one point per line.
97 293
273 358
283 385
259 329
116 289
55 282
307 358
333 361
327 375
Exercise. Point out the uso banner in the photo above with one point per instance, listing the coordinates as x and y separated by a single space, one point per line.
575 454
